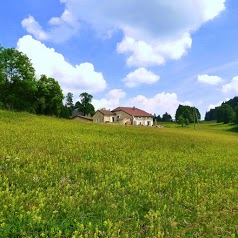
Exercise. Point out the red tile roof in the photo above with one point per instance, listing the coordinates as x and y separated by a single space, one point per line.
106 112
133 111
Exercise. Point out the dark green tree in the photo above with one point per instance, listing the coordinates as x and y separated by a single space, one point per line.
181 120
225 114
211 114
159 118
49 96
84 105
17 80
166 117
236 115
69 100
65 112
69 103
188 113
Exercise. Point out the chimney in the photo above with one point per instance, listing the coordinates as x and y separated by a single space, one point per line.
133 108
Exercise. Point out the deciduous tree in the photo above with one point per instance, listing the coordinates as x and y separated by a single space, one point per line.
84 105
17 80
49 96
225 114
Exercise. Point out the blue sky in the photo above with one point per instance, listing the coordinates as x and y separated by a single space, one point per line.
153 54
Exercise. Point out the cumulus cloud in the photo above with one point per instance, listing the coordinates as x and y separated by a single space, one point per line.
159 104
110 101
154 53
140 76
154 31
209 79
231 87
75 79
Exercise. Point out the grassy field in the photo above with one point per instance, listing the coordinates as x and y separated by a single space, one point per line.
62 178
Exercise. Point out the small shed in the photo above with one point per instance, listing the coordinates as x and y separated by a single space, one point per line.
82 118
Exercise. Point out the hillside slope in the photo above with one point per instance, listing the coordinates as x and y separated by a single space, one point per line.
62 178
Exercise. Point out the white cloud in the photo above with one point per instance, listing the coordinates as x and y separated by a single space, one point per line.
231 87
155 53
75 79
140 76
110 101
34 28
209 79
59 29
66 17
154 31
159 104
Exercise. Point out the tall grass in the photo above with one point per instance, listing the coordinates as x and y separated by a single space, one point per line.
62 178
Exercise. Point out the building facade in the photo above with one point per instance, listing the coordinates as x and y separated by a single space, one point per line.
124 116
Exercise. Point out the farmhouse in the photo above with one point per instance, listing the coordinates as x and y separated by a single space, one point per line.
124 116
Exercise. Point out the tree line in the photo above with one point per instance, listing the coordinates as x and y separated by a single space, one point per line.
184 115
227 112
22 91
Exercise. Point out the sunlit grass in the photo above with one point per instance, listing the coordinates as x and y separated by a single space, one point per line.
62 178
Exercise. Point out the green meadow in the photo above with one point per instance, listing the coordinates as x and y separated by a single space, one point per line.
63 178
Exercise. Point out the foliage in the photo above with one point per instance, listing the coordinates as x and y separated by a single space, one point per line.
212 113
236 115
21 91
61 178
17 80
69 104
65 112
190 114
166 117
225 114
69 99
49 96
181 120
158 118
232 102
84 105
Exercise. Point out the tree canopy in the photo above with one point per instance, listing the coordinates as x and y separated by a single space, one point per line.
21 91
166 117
17 80
187 114
49 96
223 113
84 105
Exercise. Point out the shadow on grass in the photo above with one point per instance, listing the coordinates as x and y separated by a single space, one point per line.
217 124
233 129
